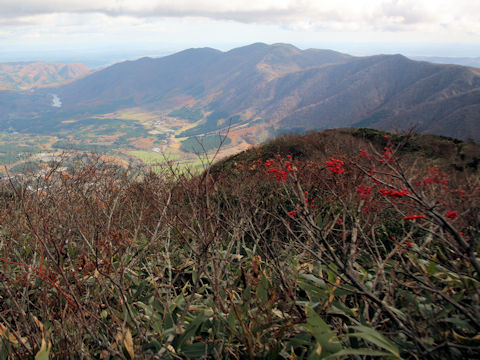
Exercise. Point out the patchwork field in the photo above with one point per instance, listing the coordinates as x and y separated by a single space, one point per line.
132 136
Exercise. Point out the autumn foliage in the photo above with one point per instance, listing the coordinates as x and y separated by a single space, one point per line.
355 245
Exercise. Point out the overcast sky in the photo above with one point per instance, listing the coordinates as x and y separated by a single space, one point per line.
76 29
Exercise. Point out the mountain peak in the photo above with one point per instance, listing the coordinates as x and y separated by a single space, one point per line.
252 48
285 46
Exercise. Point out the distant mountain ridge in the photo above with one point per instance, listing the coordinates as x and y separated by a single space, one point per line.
27 75
464 61
262 89
176 75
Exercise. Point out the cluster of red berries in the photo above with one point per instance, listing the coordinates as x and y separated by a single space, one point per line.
393 193
280 175
335 165
364 191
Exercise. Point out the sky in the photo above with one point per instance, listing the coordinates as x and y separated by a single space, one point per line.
98 32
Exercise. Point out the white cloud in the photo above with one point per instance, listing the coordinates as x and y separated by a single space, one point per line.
351 14
221 21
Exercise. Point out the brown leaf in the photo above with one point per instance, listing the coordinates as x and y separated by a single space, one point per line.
38 323
11 338
128 344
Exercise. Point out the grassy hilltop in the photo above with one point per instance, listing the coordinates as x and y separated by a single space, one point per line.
345 244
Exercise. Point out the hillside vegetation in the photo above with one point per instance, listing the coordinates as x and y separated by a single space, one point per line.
258 90
346 244
28 75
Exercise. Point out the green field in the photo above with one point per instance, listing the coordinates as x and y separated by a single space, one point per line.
148 157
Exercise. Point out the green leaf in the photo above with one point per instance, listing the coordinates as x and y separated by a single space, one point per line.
342 292
349 352
191 329
340 307
317 281
371 335
317 353
140 289
315 288
460 323
179 301
302 339
328 343
319 220
231 320
262 293
398 312
332 277
44 352
247 294
153 345
194 350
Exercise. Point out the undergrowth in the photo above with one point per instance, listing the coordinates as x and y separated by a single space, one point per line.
357 250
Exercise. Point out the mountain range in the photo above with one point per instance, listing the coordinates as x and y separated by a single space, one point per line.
28 75
259 90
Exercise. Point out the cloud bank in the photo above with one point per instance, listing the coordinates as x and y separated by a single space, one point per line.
376 15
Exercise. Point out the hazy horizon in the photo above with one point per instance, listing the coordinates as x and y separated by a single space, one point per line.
104 57
101 32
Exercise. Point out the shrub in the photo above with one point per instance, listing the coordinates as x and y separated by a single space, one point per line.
352 252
